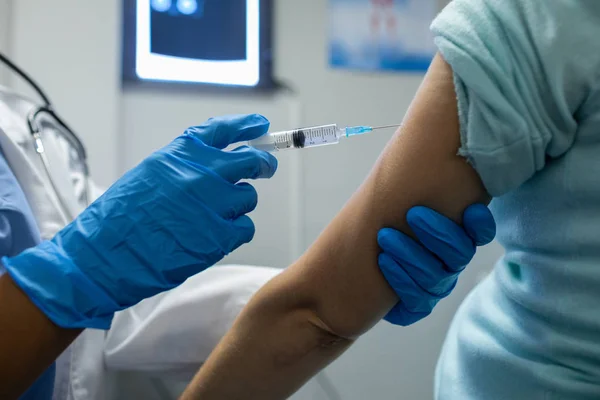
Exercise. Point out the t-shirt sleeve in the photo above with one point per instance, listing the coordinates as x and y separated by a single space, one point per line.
521 69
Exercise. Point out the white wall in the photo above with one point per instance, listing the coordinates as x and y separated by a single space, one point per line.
5 36
72 47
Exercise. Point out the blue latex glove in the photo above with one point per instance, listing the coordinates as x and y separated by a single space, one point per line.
423 273
177 213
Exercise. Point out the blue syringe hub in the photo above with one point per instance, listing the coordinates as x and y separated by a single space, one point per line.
357 130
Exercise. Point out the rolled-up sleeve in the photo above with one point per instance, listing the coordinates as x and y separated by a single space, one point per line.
521 71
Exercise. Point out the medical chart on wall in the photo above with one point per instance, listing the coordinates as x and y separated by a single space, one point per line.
381 35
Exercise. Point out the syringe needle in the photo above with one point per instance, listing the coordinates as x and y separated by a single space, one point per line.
386 126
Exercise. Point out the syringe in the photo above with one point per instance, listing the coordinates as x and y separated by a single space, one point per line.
310 137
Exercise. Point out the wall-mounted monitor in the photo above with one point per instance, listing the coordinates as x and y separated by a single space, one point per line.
209 42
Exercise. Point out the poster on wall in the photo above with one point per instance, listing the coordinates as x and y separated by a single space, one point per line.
381 35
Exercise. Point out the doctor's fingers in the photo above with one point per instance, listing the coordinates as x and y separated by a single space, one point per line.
246 162
407 288
245 230
400 315
239 200
405 257
227 200
442 237
241 163
414 302
220 132
479 223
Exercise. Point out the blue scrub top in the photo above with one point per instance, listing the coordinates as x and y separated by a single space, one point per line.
19 231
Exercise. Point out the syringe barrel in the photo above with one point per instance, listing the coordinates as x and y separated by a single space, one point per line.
298 138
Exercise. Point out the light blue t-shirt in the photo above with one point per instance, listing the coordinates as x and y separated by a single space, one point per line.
18 231
527 77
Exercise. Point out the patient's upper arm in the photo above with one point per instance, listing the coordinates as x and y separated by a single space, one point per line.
338 277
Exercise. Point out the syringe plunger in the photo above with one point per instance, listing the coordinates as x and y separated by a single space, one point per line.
298 138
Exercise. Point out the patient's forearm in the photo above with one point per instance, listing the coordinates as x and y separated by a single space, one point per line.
274 346
308 315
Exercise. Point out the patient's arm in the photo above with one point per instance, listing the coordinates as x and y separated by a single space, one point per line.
307 316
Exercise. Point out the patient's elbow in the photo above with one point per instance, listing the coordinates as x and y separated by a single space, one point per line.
331 335
302 336
328 341
343 322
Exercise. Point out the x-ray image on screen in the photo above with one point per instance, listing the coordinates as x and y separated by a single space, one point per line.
185 7
206 30
221 42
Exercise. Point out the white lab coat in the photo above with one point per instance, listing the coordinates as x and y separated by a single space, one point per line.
153 348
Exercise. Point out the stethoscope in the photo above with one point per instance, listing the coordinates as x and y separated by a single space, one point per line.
35 129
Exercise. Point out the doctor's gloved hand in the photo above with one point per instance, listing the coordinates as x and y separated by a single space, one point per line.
422 273
178 212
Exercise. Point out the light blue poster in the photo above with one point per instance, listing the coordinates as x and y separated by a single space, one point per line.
389 35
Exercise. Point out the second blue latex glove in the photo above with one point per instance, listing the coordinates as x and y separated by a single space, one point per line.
178 212
422 273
